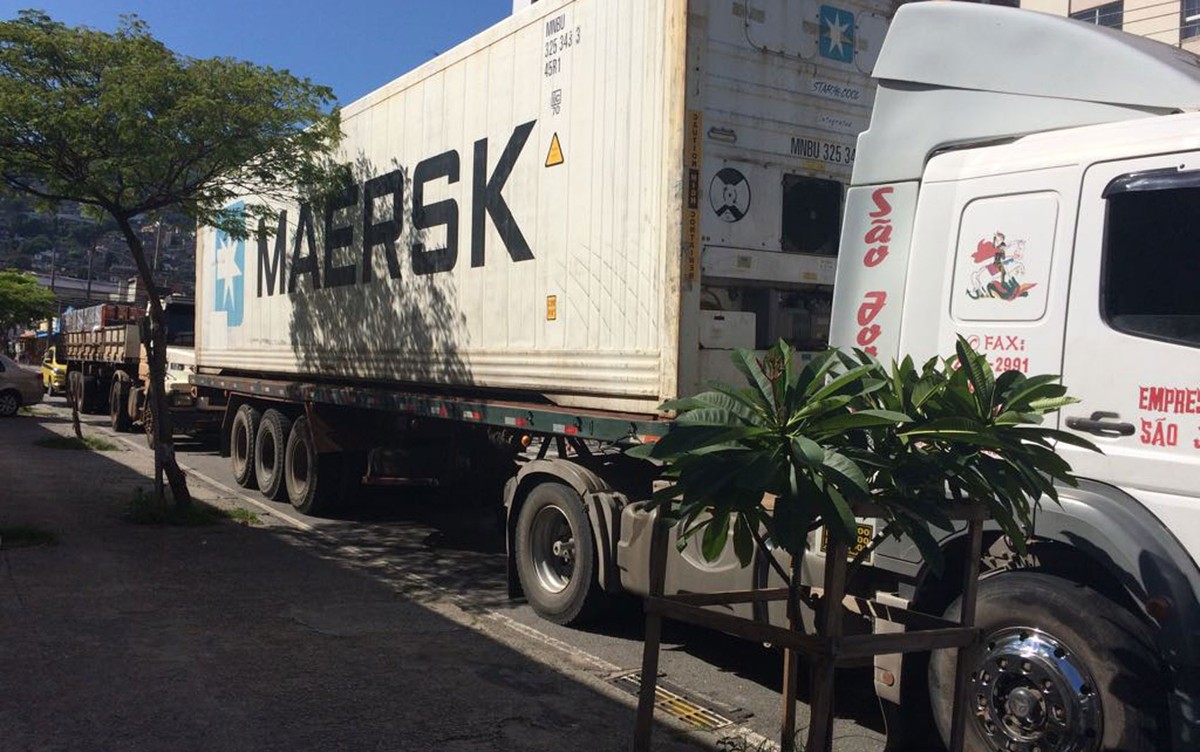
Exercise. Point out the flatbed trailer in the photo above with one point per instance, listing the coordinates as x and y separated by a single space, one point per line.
535 418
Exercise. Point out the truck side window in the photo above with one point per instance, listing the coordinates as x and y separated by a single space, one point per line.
1150 272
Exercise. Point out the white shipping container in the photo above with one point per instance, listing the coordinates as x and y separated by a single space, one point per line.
549 207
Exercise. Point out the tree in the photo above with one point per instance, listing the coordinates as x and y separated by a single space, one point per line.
120 123
22 300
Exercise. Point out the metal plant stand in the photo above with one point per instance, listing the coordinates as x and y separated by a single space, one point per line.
829 647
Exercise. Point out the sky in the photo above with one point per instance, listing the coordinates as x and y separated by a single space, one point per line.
354 46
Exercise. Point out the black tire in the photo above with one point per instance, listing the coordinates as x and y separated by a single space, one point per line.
556 556
85 398
241 445
1040 631
270 443
10 403
91 399
118 397
148 425
313 480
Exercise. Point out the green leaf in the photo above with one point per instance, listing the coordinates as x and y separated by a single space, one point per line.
762 389
861 419
847 474
933 512
640 451
1051 404
790 523
813 373
1005 383
839 385
1064 437
1034 387
737 403
807 452
819 408
711 416
685 438
743 541
837 513
979 373
716 533
924 389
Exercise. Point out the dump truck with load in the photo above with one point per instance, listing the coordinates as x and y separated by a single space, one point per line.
576 214
106 368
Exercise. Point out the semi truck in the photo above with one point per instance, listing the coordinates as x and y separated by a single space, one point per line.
576 214
100 350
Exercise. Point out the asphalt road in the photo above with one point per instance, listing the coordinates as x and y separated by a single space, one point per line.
436 543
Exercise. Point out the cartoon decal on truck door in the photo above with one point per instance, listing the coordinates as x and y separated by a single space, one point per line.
1001 268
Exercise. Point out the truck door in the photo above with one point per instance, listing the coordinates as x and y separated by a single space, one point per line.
1132 351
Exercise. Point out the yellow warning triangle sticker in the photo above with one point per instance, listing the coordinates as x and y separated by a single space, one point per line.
555 157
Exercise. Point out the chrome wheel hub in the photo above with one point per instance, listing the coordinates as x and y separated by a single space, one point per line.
1031 694
552 548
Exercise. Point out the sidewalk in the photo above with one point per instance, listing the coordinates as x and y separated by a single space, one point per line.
226 637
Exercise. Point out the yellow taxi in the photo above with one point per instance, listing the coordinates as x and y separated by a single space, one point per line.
54 370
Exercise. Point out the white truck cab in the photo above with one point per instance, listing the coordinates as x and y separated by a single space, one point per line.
1033 184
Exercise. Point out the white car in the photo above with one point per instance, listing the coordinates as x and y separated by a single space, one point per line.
18 386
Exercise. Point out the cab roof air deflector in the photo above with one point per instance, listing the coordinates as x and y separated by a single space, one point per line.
959 73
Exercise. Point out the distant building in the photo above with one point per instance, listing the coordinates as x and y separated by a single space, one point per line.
1173 22
76 293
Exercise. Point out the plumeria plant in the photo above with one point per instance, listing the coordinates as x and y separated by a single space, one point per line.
801 444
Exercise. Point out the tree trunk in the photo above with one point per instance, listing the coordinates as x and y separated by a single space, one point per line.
156 397
74 410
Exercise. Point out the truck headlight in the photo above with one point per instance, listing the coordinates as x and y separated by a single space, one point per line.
181 399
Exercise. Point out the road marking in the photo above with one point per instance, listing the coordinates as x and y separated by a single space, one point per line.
599 664
293 520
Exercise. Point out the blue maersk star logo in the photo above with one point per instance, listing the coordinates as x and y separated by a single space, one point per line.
229 267
837 34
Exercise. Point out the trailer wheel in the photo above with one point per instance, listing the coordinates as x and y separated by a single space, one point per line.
313 480
241 445
269 445
10 402
1060 668
118 396
556 556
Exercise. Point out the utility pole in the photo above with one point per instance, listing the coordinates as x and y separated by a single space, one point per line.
91 255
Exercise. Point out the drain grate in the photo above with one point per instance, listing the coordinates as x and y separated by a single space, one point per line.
672 700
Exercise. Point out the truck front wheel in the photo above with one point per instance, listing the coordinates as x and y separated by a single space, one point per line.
556 556
313 480
269 445
1061 669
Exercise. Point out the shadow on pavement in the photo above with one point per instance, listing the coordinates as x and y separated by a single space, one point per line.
225 637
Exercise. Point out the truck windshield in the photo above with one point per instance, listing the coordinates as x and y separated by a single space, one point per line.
181 326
